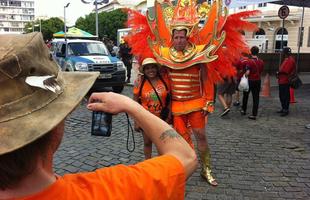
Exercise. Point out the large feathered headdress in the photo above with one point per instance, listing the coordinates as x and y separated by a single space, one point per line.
220 33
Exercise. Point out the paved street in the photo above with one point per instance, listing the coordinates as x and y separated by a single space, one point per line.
264 159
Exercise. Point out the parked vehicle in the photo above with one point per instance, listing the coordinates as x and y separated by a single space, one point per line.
91 55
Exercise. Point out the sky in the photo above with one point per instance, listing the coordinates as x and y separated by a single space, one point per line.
55 8
75 10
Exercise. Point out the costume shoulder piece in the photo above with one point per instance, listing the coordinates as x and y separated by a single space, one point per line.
211 32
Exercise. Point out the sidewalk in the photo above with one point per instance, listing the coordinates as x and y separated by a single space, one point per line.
268 158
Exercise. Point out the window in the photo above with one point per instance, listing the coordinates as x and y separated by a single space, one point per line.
301 35
15 3
260 5
15 24
3 2
16 30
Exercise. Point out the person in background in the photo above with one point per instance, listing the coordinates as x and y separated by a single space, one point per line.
287 69
115 49
225 91
152 92
253 69
126 57
35 99
240 71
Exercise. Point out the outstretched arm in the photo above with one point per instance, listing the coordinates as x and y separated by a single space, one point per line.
167 140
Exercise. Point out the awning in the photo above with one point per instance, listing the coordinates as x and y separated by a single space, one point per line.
299 3
74 33
59 34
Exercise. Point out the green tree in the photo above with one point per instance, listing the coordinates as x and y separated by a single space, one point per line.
48 27
108 24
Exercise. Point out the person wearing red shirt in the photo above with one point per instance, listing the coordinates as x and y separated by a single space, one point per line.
254 68
287 69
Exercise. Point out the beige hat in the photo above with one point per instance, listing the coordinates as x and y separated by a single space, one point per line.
35 95
147 61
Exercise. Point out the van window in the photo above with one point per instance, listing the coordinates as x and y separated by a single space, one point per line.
84 49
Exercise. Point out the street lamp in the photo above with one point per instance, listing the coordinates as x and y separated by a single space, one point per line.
65 27
96 2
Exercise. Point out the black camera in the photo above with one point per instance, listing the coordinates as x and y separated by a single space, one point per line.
101 124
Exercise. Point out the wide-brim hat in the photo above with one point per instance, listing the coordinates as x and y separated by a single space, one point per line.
147 61
28 110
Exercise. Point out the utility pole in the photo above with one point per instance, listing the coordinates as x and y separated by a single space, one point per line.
65 26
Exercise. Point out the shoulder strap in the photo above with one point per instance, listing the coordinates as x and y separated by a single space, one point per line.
162 80
140 89
156 93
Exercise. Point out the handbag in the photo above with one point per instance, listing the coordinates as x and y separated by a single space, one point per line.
244 84
294 81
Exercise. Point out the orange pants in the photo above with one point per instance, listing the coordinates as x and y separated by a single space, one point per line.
184 123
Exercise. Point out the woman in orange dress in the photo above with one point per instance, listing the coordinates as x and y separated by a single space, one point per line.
152 92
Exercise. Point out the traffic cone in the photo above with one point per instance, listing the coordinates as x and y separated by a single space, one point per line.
292 95
266 87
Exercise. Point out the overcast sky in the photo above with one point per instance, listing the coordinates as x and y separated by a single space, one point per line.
76 9
55 8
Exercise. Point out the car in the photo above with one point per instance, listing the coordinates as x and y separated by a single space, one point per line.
91 55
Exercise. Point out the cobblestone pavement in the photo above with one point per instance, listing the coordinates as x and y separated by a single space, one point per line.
264 159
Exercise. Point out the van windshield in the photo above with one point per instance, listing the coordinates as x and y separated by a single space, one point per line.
87 48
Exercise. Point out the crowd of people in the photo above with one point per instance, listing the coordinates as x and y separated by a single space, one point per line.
252 67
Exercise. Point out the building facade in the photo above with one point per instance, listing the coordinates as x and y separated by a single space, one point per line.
269 35
116 4
14 14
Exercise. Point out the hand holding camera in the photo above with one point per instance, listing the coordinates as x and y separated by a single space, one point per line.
102 106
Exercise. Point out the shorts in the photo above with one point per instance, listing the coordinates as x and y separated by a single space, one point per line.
227 88
194 119
237 84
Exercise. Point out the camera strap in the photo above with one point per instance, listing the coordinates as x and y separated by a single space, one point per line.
129 128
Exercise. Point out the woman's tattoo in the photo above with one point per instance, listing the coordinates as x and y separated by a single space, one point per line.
169 134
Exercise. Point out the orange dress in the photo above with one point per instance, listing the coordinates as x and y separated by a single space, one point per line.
149 99
157 178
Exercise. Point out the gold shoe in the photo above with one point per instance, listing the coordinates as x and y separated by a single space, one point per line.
206 174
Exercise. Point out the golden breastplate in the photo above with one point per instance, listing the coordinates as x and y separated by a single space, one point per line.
185 84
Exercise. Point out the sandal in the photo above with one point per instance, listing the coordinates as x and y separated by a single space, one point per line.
206 174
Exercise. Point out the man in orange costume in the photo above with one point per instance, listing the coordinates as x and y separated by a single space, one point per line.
194 58
192 99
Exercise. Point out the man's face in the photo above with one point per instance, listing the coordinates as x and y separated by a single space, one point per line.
179 40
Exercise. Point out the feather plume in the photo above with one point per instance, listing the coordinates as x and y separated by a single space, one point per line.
137 38
234 45
45 82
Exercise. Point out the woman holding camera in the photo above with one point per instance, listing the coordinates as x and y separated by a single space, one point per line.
152 92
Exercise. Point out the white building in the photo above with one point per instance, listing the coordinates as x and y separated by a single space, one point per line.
269 35
14 14
116 4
